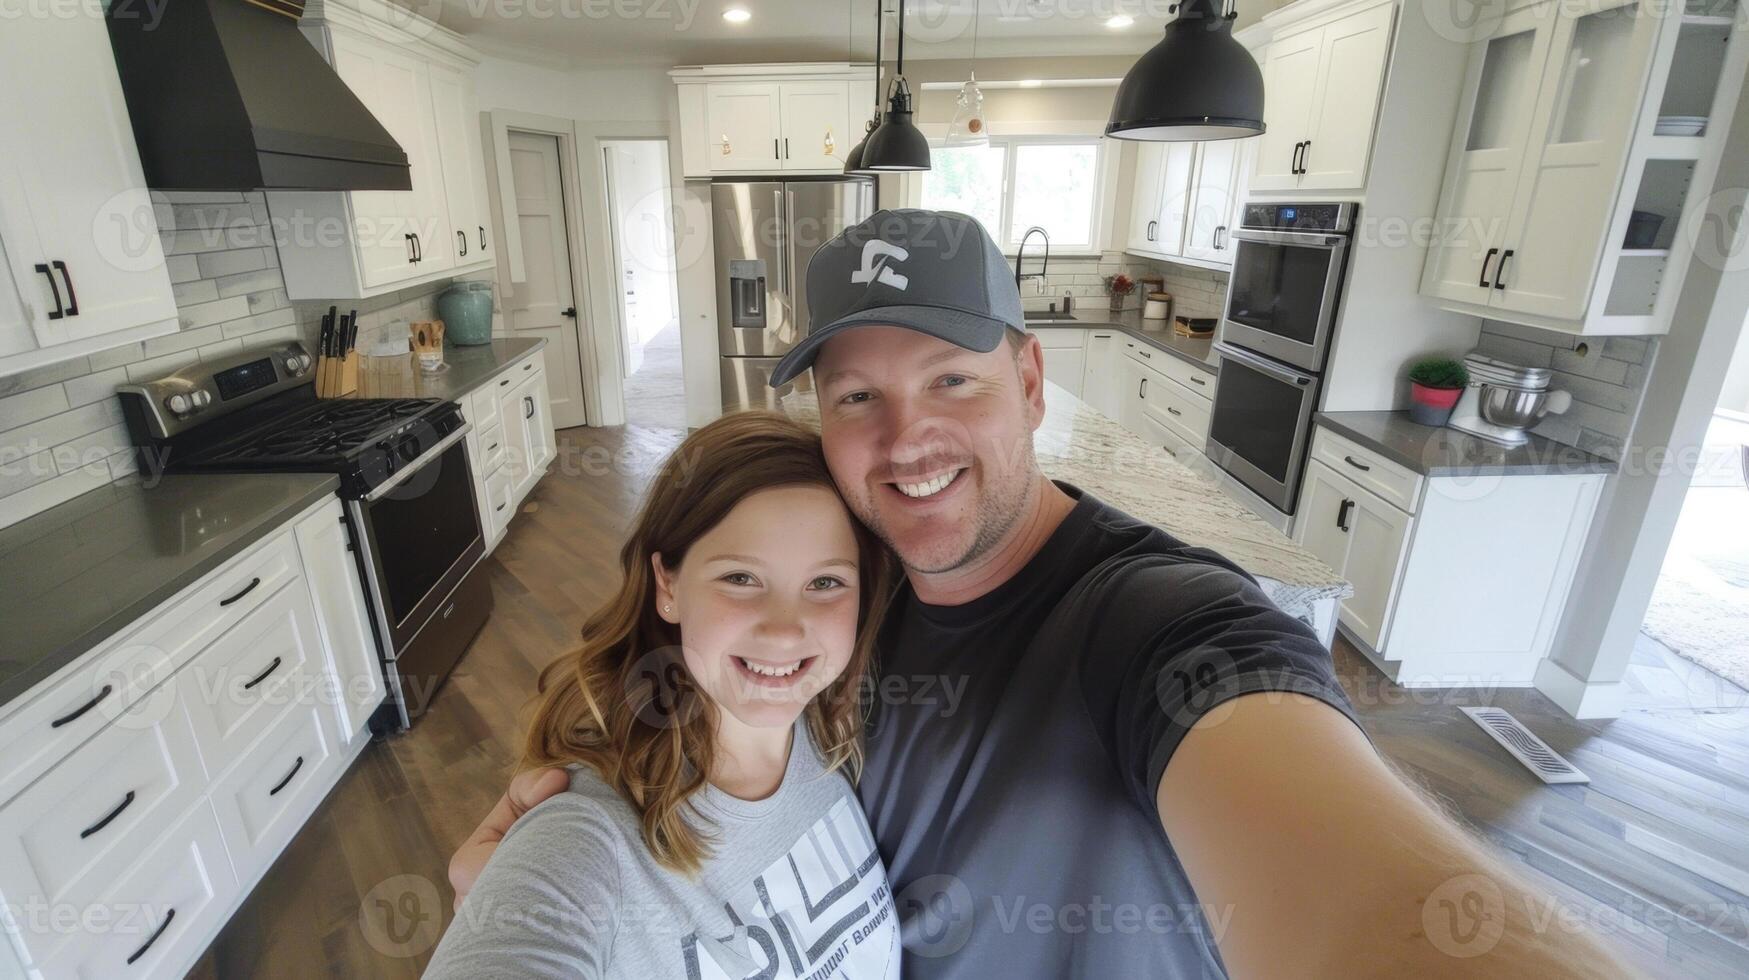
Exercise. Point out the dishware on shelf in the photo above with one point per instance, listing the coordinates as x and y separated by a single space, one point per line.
1679 126
1643 230
337 354
1504 400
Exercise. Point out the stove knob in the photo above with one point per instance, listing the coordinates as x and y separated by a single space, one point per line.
178 404
202 398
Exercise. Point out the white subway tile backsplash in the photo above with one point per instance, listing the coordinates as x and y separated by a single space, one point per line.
1607 381
29 406
216 264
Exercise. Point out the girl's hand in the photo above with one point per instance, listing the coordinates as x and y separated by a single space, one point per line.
526 790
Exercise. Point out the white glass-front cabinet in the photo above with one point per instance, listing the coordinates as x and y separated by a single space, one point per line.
83 264
1582 129
1322 84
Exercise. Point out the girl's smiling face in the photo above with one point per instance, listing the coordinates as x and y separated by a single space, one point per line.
767 603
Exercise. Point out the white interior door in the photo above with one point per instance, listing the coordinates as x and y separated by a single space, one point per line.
545 304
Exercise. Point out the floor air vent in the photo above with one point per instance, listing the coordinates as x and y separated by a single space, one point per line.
1536 755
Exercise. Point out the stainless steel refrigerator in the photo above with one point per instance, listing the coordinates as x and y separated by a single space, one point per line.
764 232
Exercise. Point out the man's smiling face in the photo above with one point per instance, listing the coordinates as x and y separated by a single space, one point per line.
930 443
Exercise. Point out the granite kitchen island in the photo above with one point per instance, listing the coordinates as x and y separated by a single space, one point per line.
1078 445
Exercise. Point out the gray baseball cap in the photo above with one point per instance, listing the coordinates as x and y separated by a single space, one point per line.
935 272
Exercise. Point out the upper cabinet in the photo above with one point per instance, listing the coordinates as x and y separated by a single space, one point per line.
84 267
770 119
420 86
1322 80
1583 128
1185 200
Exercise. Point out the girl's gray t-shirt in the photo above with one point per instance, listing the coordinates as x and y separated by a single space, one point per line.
793 888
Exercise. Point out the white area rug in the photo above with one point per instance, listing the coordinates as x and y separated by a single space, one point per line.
1700 608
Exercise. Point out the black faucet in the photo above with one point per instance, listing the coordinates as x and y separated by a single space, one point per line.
1020 255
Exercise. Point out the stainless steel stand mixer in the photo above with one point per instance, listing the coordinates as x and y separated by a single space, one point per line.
1504 400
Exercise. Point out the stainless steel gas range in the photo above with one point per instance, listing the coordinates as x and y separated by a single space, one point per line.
404 477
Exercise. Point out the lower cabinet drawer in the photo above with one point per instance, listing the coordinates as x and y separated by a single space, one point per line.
66 839
483 405
1178 409
491 448
263 801
500 488
159 915
251 676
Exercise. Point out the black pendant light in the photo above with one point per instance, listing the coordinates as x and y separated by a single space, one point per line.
853 159
1196 84
897 144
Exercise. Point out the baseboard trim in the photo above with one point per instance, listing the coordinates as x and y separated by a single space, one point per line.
1577 697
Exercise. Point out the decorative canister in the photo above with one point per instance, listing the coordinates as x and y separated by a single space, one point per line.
466 309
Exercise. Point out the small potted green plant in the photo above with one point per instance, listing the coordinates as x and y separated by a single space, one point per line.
1434 387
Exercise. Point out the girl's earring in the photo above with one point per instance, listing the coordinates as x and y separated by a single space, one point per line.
668 608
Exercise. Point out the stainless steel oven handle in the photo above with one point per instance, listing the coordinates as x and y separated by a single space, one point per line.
1277 371
1302 239
401 476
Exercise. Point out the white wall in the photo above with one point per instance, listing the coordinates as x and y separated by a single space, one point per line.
591 94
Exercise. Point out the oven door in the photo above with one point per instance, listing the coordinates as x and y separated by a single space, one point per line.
1281 295
421 537
1260 424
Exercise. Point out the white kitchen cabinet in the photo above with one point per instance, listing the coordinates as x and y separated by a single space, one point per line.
769 119
83 264
419 84
1213 190
1099 383
1554 156
1145 197
1361 537
337 595
528 425
1064 351
1161 197
1322 82
512 442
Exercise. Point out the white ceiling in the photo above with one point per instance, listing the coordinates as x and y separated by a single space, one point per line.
681 32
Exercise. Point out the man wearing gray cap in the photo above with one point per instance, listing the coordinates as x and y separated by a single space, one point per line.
1148 770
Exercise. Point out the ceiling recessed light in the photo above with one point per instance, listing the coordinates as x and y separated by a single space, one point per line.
737 15
1120 21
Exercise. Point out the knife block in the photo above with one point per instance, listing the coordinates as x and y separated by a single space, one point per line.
337 376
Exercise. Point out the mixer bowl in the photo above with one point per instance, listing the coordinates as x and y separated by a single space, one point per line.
1512 407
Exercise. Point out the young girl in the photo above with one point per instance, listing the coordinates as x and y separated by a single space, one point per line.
710 719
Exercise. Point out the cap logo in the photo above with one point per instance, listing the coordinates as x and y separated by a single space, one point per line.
875 254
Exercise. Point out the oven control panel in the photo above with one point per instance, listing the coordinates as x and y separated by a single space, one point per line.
1328 216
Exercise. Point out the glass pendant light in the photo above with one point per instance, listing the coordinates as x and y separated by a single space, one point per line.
897 144
967 128
1196 84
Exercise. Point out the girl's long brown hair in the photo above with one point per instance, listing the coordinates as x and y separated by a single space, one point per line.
624 703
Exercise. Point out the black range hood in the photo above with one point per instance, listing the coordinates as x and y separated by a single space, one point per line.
229 95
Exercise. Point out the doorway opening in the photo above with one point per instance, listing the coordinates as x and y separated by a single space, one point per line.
545 304
641 215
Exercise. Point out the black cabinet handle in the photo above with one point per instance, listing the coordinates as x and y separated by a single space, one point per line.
1172 411
1305 156
464 240
528 408
1500 270
418 248
288 777
54 287
242 592
154 938
774 150
1142 392
786 147
99 825
498 508
408 238
504 382
482 237
1145 354
263 675
1151 225
1198 381
1219 231
492 448
67 279
1483 282
1357 464
1342 513
77 713
1295 166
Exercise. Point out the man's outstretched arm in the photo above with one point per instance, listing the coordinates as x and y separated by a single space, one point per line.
1312 858
525 791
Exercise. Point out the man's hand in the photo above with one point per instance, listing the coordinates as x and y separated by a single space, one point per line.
526 790
1313 859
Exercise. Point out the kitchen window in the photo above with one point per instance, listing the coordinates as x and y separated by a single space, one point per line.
1056 182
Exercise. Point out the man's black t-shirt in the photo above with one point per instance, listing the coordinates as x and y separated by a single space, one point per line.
1016 742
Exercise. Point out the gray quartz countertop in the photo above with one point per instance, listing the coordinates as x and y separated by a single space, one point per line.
81 572
1445 451
468 369
1079 445
1198 352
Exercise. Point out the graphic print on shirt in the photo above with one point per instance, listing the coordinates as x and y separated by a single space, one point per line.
822 910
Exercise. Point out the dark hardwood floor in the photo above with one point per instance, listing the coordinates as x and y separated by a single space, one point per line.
1655 851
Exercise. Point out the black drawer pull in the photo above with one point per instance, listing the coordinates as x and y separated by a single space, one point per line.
1145 354
1172 411
528 408
1483 282
529 366
482 237
1342 514
263 675
54 287
1500 270
99 825
504 382
1357 464
288 777
67 280
1197 381
492 448
463 237
155 934
246 590
79 712
498 508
